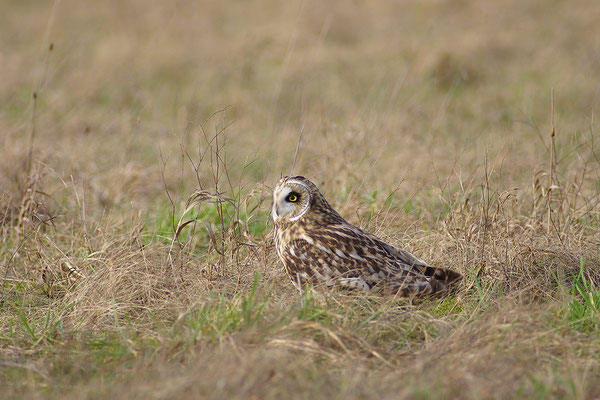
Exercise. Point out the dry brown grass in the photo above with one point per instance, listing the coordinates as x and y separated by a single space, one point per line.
428 123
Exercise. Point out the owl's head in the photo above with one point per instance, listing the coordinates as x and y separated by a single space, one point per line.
292 198
295 196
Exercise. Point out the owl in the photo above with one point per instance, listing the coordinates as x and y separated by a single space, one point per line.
316 244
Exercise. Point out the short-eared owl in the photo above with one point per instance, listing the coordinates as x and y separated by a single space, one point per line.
316 244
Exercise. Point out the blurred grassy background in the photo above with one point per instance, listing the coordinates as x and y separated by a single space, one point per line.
412 85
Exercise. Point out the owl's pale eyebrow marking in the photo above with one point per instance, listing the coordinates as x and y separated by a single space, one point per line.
296 182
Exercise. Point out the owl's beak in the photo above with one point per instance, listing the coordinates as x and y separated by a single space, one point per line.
275 213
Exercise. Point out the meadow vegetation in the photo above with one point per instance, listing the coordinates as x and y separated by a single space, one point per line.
140 140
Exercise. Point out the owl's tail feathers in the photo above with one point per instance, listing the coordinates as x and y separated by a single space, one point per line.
443 280
432 281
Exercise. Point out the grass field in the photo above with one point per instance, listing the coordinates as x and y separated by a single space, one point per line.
463 131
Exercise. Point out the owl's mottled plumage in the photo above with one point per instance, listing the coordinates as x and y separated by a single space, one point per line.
316 244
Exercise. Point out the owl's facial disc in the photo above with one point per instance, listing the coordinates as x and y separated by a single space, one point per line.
290 201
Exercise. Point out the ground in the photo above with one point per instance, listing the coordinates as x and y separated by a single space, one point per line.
140 141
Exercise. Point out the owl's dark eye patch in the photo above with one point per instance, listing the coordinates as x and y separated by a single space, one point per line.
292 197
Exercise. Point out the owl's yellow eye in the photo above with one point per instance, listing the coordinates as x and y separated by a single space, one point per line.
292 197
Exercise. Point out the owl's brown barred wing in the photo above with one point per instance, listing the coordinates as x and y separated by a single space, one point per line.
306 259
389 266
373 249
443 276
